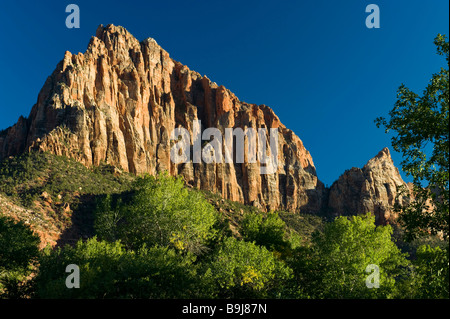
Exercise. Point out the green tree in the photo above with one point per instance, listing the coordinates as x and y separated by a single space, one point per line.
19 248
266 229
421 127
161 211
108 270
335 265
432 267
240 269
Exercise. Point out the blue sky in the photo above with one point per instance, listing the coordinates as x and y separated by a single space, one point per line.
325 74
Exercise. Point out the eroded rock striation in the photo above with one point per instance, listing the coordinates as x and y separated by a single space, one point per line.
119 101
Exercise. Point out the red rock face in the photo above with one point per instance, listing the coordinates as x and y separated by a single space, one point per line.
120 100
370 189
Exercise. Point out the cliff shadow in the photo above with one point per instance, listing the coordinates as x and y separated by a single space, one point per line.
82 222
83 216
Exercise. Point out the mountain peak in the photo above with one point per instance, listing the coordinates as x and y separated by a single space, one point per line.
384 153
383 160
112 30
119 102
370 189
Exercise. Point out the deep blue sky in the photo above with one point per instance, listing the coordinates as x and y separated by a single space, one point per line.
314 62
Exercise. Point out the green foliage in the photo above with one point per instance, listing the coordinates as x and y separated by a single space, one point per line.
300 227
241 269
160 239
18 244
19 247
334 266
433 270
264 229
421 125
108 270
161 211
27 176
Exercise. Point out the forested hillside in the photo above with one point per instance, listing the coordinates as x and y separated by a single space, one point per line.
155 237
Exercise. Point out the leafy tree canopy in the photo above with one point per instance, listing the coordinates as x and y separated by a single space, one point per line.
421 128
161 211
241 269
335 264
266 229
108 270
19 248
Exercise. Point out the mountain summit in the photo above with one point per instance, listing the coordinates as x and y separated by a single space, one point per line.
119 102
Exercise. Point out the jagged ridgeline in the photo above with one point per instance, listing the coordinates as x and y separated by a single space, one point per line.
119 101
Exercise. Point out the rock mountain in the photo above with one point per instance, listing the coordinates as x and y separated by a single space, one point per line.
120 100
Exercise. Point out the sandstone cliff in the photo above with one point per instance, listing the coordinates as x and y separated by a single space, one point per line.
118 102
370 189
